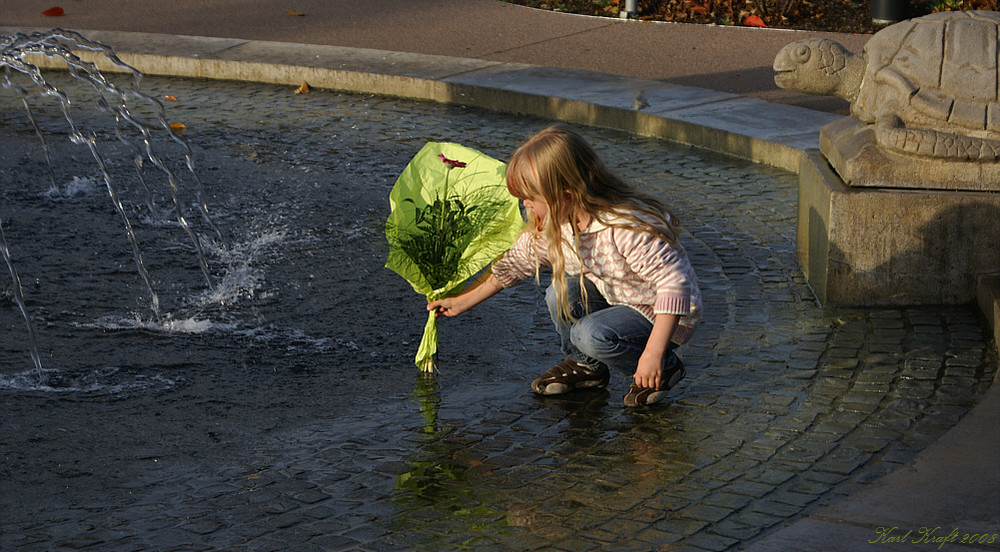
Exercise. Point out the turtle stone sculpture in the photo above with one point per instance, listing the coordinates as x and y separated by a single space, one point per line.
928 85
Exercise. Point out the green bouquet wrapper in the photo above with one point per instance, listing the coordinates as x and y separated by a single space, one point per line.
451 216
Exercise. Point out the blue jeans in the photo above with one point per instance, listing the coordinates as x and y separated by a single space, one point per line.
611 334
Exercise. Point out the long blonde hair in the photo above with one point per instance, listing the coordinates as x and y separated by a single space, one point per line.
557 166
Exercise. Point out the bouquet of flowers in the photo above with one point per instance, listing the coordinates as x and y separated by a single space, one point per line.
451 216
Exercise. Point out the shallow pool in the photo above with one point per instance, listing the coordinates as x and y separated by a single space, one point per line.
280 408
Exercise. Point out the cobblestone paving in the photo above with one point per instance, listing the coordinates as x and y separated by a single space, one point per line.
787 407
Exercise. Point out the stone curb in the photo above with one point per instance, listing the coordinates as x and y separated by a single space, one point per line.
737 125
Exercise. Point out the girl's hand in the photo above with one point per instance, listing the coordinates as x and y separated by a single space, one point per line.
449 306
483 288
648 371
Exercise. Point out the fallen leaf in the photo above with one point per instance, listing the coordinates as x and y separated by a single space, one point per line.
54 12
304 89
171 98
178 127
754 21
294 13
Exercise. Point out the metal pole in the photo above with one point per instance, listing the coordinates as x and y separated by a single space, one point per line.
887 12
630 9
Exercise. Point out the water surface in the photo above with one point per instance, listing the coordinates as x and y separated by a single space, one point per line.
280 409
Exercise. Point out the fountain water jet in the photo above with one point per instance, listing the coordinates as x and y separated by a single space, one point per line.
57 43
19 300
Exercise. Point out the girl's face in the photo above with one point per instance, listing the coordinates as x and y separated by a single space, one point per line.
538 207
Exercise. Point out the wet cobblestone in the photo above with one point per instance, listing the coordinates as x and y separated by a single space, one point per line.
786 407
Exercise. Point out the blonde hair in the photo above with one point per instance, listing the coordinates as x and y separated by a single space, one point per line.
557 166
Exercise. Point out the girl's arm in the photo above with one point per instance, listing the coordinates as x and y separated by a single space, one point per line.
482 289
518 263
648 371
665 267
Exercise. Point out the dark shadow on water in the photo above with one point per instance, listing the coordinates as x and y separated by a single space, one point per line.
577 404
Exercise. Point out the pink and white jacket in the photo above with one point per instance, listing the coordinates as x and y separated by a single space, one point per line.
629 267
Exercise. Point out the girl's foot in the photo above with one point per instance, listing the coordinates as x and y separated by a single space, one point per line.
569 375
672 374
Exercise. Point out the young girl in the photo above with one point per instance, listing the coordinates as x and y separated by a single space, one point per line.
623 293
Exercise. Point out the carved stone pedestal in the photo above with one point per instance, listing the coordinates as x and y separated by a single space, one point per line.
850 147
893 241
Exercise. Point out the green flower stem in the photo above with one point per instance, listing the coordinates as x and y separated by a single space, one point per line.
444 200
426 357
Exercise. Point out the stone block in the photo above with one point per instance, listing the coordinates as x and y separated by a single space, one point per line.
988 296
850 147
892 247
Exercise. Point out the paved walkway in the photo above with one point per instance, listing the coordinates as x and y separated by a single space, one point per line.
952 485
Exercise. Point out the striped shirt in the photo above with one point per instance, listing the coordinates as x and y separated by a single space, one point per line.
629 267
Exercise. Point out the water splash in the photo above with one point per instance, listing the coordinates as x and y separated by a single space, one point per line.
77 187
243 276
109 381
167 324
122 106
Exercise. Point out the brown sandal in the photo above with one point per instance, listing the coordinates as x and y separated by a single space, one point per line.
569 375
